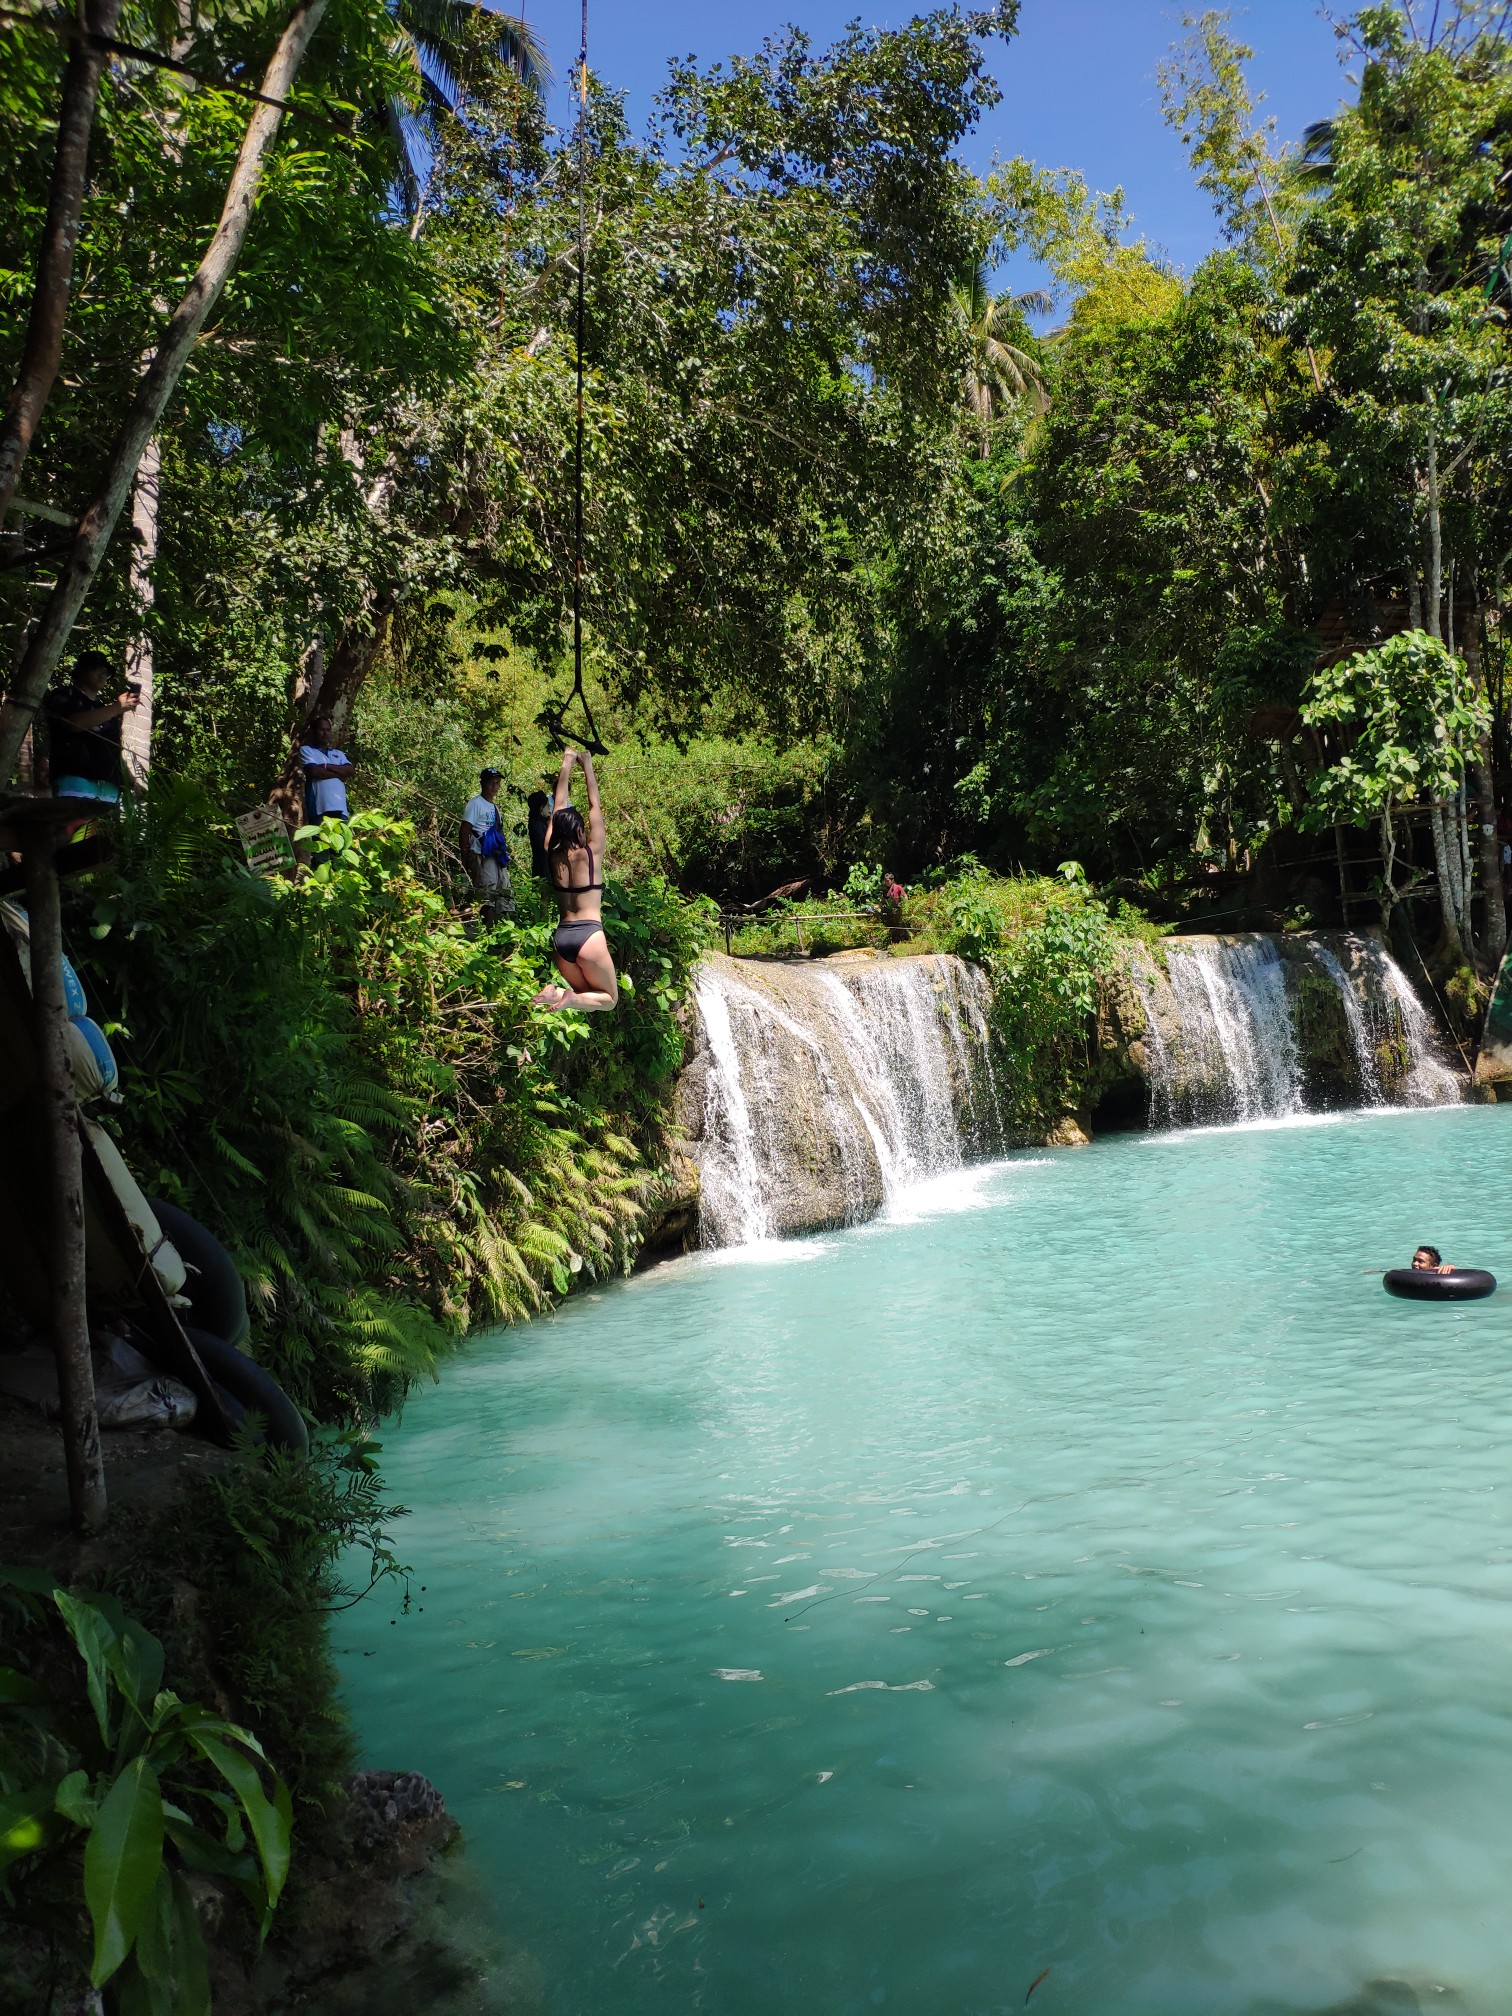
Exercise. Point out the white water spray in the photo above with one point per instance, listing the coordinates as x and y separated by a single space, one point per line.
1235 1055
1227 1049
844 1084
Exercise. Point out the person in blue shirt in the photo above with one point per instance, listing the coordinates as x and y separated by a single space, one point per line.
326 771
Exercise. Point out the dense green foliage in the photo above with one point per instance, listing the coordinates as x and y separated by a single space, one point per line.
272 1547
897 592
351 1087
121 1797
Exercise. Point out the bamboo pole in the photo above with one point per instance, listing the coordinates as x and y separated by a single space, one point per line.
65 1181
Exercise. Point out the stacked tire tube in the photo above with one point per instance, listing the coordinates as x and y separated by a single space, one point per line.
218 1325
196 1272
90 1056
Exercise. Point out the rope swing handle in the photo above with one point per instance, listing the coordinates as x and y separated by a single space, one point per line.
553 716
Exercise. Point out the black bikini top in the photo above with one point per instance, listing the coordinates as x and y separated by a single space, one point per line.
595 880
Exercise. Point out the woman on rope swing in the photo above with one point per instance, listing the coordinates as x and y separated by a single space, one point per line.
575 854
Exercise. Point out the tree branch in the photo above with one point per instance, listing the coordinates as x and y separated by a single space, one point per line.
156 388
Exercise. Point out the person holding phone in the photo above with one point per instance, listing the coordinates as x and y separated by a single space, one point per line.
84 731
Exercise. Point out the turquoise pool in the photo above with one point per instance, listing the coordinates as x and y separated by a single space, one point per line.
1090 1570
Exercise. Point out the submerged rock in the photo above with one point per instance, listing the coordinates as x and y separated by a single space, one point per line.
1392 1995
384 1804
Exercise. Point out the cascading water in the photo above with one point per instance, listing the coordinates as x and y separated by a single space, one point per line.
731 1171
827 1090
1367 1062
824 1090
1237 1049
1251 1028
1395 1016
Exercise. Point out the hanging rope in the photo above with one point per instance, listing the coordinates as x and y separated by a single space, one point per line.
553 717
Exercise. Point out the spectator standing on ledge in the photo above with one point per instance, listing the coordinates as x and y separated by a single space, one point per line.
538 825
84 732
485 853
326 771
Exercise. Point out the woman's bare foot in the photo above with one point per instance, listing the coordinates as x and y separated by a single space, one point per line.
552 996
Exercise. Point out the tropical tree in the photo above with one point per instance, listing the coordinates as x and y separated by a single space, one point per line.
1396 278
305 189
1405 714
451 46
1002 367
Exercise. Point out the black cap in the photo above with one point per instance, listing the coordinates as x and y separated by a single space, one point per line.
490 773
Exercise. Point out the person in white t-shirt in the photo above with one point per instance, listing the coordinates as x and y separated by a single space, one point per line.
485 853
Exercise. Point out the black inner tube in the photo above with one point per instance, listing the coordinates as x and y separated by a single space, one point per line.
217 1299
249 1390
1460 1284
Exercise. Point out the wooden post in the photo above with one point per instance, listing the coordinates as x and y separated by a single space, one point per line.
70 1322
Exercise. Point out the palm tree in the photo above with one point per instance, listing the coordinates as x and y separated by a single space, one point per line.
999 370
440 39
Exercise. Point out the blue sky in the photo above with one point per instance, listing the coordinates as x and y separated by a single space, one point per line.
1078 80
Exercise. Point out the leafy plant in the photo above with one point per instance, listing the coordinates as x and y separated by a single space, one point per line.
864 885
123 1798
1406 714
1409 711
351 1084
1044 997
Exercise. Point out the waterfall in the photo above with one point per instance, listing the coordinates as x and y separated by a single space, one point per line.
1367 1063
827 1090
822 1090
730 1170
1258 1027
1235 1055
1396 1017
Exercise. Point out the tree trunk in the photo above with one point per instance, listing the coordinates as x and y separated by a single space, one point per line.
1446 851
43 350
1444 872
329 684
136 727
1434 586
1388 864
1483 779
1466 879
155 389
65 1181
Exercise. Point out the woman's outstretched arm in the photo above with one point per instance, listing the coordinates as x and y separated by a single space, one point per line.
595 808
562 796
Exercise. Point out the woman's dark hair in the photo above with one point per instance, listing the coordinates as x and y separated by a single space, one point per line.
1433 1254
567 830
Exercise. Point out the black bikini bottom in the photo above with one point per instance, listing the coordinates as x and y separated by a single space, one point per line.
572 934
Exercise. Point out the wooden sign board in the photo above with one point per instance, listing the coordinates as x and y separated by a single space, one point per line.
265 841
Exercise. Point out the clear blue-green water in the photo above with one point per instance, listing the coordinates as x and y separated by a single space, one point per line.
1097 1573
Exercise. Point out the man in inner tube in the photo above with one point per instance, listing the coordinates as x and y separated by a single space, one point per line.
1426 1261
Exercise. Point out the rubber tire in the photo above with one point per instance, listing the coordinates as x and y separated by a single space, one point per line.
217 1299
247 1389
1416 1284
